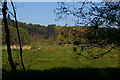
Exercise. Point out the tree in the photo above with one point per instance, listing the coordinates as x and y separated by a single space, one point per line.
91 13
18 33
8 36
95 15
13 36
10 59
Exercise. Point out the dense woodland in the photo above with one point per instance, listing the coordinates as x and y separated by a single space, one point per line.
36 34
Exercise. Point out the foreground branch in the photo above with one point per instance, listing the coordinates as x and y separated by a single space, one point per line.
16 24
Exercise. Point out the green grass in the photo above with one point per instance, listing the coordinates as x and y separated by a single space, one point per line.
49 57
56 62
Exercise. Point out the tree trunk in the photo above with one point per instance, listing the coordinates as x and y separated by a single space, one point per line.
7 31
16 24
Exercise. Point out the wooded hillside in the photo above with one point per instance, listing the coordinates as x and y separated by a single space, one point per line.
35 33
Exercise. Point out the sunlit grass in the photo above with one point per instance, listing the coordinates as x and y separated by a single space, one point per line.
49 57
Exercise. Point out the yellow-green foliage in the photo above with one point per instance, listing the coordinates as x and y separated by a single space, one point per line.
70 33
14 37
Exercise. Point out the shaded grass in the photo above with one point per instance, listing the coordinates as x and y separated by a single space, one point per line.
66 73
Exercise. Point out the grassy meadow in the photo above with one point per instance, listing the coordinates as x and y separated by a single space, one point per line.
48 57
60 61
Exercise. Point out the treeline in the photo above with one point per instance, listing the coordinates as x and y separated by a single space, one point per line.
89 35
36 34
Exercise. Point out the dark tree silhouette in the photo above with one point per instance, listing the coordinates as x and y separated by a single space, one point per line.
16 24
7 31
93 14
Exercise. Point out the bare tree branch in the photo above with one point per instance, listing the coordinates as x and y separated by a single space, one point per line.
18 36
